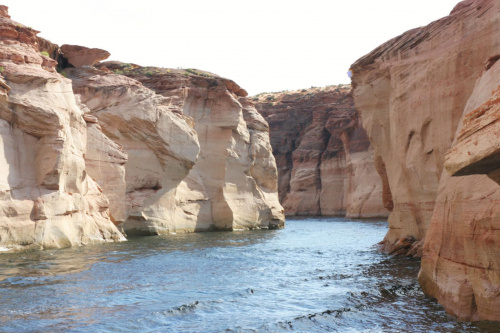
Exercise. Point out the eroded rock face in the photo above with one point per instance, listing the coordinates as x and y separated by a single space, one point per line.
96 150
46 197
324 157
419 94
411 92
160 146
461 261
233 184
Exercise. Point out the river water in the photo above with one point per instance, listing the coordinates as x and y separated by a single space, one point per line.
317 275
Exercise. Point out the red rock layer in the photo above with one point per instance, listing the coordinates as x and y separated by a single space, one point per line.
325 163
412 92
83 56
461 261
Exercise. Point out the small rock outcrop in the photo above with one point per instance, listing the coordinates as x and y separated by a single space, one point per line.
419 95
324 157
83 56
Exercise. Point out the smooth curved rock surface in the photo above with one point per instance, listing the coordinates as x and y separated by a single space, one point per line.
233 184
160 146
46 197
411 92
324 158
414 92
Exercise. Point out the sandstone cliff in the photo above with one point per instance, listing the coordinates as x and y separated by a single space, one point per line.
461 261
413 92
47 199
233 185
89 149
324 158
161 149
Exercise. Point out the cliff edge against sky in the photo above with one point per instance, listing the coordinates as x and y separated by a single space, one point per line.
90 154
414 93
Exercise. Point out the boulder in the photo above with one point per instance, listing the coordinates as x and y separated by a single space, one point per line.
79 56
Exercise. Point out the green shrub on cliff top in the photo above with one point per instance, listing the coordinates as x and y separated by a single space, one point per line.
195 72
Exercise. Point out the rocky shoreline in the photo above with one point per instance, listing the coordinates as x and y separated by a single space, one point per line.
94 152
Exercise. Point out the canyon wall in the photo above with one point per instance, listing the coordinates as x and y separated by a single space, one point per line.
91 154
47 198
420 94
324 158
233 184
461 261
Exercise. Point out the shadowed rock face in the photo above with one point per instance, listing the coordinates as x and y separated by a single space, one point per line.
414 92
324 158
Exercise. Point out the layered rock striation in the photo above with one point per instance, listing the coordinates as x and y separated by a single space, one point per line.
47 199
324 158
429 102
461 261
411 93
233 184
91 154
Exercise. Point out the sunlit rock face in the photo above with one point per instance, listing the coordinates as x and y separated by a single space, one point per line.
324 158
411 92
90 154
414 92
154 150
47 199
233 183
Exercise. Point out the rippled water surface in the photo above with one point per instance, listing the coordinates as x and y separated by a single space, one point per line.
317 275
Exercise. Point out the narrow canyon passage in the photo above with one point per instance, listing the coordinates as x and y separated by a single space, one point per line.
321 274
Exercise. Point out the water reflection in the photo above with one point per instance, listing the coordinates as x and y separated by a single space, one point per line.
78 259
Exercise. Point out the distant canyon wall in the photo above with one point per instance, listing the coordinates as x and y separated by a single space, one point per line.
429 103
91 153
324 158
